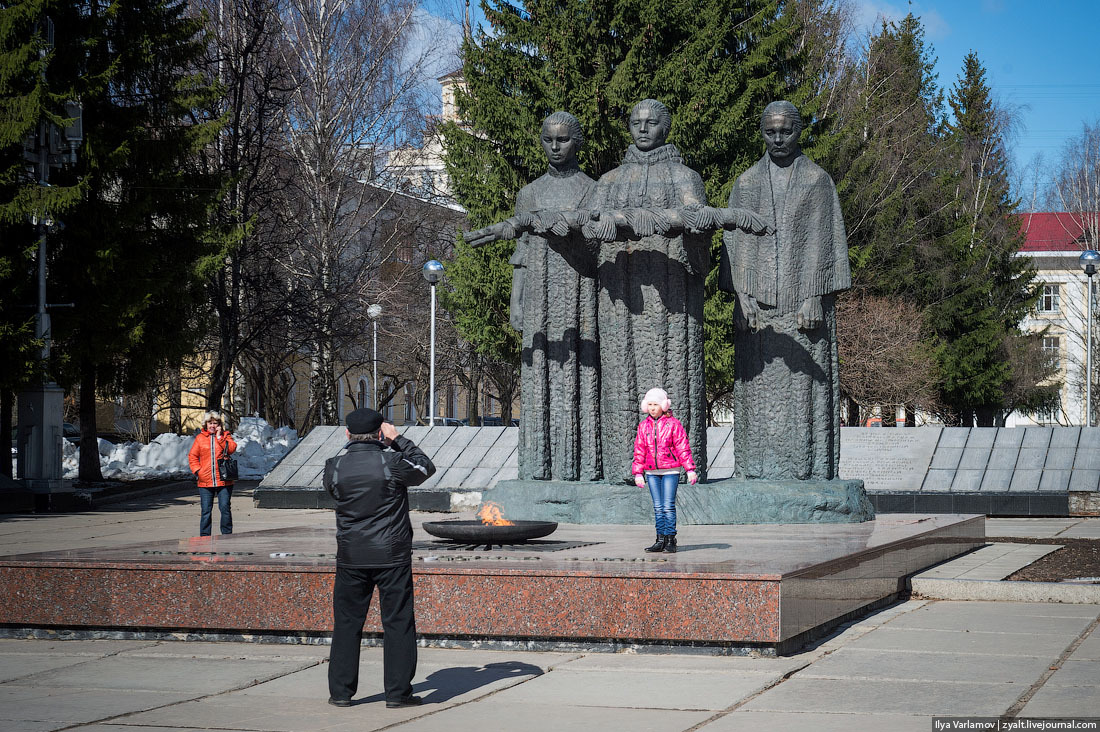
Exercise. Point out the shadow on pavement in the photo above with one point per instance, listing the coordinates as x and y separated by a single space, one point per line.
448 683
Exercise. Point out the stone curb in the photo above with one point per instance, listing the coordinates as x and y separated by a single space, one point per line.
1005 591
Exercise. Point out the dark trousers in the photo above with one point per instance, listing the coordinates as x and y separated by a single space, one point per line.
350 602
206 502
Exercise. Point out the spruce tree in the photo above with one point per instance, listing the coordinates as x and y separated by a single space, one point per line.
33 92
715 64
133 248
994 288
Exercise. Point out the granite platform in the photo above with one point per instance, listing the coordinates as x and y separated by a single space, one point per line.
1011 471
733 588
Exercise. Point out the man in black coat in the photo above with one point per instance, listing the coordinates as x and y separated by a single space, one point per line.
374 548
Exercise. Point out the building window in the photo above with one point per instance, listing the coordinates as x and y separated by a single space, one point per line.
364 394
1050 416
387 411
410 390
1052 347
1049 300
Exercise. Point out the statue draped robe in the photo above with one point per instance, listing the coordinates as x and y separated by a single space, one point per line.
650 306
559 369
786 389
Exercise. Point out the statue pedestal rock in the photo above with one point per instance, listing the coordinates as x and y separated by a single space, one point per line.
728 501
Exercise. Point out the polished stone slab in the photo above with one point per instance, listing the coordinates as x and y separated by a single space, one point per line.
730 586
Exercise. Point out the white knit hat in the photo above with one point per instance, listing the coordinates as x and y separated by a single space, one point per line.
658 397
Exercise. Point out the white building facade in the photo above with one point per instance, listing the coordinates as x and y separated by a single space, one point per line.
1055 242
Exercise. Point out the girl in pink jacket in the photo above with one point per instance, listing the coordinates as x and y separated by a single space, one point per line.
660 450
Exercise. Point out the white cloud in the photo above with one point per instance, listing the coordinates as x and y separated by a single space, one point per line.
433 49
869 14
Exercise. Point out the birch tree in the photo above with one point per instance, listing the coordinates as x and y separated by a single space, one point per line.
356 94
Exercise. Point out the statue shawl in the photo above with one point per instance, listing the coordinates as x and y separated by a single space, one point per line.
808 254
657 179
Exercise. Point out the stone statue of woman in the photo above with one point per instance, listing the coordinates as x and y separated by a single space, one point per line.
786 367
554 305
651 289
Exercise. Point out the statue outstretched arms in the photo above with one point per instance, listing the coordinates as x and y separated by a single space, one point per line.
606 225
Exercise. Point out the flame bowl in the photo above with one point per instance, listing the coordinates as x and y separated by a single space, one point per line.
475 532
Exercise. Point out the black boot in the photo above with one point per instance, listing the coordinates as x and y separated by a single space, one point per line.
670 544
659 545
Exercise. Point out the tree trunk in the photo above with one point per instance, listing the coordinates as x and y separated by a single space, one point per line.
7 398
986 416
89 470
853 412
175 405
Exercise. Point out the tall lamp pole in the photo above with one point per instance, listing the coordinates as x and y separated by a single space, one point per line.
374 311
433 273
1089 259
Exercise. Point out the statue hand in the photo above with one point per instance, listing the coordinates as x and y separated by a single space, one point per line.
746 220
481 237
642 221
750 310
542 221
706 219
809 316
603 229
523 220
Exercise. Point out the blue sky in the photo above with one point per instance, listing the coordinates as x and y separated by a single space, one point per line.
1041 58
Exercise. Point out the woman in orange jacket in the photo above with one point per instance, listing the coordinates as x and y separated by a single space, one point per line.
210 445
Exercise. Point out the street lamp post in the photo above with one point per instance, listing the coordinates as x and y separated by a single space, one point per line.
433 273
1089 260
374 311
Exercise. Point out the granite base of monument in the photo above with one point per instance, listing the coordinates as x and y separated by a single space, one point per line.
729 501
732 589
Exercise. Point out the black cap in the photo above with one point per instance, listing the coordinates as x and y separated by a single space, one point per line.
363 421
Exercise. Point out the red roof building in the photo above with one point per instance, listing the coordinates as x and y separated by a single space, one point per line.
1054 232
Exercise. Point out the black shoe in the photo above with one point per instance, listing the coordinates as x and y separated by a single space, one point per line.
670 544
339 702
404 701
659 545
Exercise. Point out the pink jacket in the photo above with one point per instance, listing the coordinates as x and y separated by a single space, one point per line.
661 443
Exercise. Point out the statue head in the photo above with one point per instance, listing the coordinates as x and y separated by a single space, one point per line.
562 137
650 122
781 124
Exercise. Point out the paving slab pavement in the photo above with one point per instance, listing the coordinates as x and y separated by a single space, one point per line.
893 669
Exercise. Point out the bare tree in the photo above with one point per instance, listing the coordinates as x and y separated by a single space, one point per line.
884 360
356 96
244 57
1076 185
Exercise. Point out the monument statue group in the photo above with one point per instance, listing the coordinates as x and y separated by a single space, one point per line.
608 292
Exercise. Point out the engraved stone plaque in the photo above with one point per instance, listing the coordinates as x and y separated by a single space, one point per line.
887 459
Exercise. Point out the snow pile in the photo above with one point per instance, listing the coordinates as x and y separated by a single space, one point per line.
259 448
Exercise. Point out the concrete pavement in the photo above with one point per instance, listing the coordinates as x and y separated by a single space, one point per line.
893 669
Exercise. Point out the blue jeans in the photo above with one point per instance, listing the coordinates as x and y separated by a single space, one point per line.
662 489
206 500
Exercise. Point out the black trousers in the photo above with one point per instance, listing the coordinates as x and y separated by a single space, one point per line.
350 601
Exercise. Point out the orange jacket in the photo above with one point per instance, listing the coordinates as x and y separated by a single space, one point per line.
205 450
